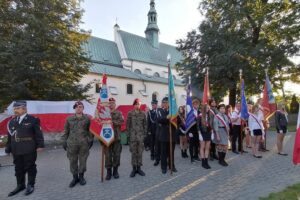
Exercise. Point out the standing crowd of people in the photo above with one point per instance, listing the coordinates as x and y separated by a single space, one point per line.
216 129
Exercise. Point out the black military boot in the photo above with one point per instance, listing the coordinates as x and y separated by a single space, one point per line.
74 181
223 157
156 163
221 161
204 165
182 153
206 161
185 154
29 189
115 173
133 172
82 181
108 174
18 189
139 171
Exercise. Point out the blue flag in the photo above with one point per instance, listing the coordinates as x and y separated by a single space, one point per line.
244 106
190 117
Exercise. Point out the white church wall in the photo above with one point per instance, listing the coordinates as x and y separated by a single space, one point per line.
126 99
148 69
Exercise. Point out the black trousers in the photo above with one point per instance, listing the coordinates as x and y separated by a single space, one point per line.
165 155
25 164
152 144
194 145
157 149
236 136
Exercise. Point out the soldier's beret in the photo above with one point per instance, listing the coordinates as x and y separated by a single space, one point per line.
136 101
77 103
19 104
154 101
165 99
111 99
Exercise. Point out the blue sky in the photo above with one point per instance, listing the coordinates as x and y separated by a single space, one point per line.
175 17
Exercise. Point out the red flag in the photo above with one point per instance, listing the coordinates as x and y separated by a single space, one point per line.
296 153
268 100
206 94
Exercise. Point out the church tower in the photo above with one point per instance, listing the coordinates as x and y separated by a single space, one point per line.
152 29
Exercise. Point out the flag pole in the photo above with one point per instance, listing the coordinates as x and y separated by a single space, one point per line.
266 127
102 162
170 106
242 121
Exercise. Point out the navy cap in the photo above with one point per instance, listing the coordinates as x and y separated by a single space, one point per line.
19 104
165 99
154 101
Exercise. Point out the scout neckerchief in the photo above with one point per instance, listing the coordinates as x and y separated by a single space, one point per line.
222 120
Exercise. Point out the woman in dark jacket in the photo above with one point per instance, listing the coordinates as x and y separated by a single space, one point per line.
281 122
181 131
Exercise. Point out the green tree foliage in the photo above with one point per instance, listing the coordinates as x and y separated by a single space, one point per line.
294 106
242 34
41 54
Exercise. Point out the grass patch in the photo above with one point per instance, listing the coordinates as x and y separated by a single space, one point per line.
290 193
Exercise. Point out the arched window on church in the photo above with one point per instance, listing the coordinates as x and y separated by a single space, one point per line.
129 89
156 74
137 71
154 18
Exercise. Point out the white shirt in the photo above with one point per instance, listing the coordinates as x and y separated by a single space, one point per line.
255 122
21 118
236 115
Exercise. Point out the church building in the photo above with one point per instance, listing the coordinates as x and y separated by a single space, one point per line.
136 66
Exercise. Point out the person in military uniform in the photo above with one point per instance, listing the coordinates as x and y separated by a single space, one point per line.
151 119
136 126
113 152
164 124
25 139
77 141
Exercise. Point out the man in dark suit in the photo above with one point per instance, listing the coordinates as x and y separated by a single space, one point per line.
151 120
25 139
164 123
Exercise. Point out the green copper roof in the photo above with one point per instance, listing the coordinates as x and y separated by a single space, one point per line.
138 48
124 73
103 51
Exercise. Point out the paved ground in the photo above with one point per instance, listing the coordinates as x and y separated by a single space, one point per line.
245 178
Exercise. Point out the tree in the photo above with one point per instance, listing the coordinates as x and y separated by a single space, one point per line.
248 35
41 54
294 106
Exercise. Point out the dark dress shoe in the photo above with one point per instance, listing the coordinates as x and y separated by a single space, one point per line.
164 171
235 152
133 172
29 189
108 174
197 159
156 163
174 170
18 189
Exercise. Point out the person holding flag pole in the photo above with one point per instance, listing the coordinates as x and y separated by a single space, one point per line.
167 120
102 127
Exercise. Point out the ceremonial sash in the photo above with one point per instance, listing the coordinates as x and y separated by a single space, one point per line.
220 118
212 112
152 121
257 121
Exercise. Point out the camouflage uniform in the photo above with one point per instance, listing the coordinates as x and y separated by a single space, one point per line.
113 152
137 130
78 139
